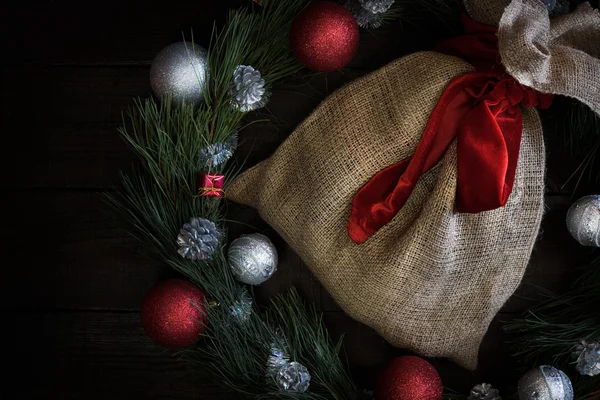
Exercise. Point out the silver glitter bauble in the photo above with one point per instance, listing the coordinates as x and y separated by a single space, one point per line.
583 220
364 18
181 69
218 153
376 6
198 239
587 357
293 377
241 309
252 258
484 391
545 383
248 91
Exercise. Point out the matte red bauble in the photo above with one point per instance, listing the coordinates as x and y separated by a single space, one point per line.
324 36
173 313
409 378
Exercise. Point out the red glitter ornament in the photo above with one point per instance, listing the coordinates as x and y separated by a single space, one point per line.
173 313
324 36
409 378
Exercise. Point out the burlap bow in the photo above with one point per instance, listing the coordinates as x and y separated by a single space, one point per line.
551 58
558 56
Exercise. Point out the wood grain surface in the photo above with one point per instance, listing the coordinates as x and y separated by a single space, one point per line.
73 281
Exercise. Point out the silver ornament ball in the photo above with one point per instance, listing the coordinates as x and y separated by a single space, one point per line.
545 383
252 258
182 69
583 220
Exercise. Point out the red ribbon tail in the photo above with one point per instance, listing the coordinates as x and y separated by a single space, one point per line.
385 194
487 162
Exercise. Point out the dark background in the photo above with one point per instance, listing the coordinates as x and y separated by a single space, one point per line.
72 281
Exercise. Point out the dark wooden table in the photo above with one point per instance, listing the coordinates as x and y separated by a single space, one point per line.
72 281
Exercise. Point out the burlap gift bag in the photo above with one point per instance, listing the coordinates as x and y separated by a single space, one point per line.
430 278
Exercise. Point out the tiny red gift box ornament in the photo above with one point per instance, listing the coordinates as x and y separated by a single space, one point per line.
211 185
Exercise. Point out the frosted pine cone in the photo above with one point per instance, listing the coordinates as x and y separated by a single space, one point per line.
198 239
218 153
484 391
588 358
293 377
241 309
376 6
248 89
364 18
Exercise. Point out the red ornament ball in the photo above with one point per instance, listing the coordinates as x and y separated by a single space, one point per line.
324 36
409 378
173 313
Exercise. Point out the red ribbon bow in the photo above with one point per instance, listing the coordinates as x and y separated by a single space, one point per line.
482 111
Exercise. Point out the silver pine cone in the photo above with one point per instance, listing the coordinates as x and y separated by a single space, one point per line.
588 358
376 6
364 18
218 153
484 391
248 89
198 239
241 309
293 377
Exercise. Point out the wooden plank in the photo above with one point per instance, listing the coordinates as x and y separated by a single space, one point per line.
110 32
94 355
71 255
117 33
99 355
72 141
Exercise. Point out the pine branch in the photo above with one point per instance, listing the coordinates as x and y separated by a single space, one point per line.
549 331
156 201
236 352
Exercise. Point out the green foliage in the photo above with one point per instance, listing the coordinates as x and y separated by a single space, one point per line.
548 333
156 200
580 128
236 352
162 195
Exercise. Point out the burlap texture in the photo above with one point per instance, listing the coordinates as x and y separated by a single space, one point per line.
431 280
559 56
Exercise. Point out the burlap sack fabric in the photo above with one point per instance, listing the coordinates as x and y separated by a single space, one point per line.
431 280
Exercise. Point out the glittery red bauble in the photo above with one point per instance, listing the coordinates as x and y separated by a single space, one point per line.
409 378
324 36
173 313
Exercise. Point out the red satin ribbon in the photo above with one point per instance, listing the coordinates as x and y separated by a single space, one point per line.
482 111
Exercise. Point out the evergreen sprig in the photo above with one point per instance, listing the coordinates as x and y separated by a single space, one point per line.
236 352
548 332
160 196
